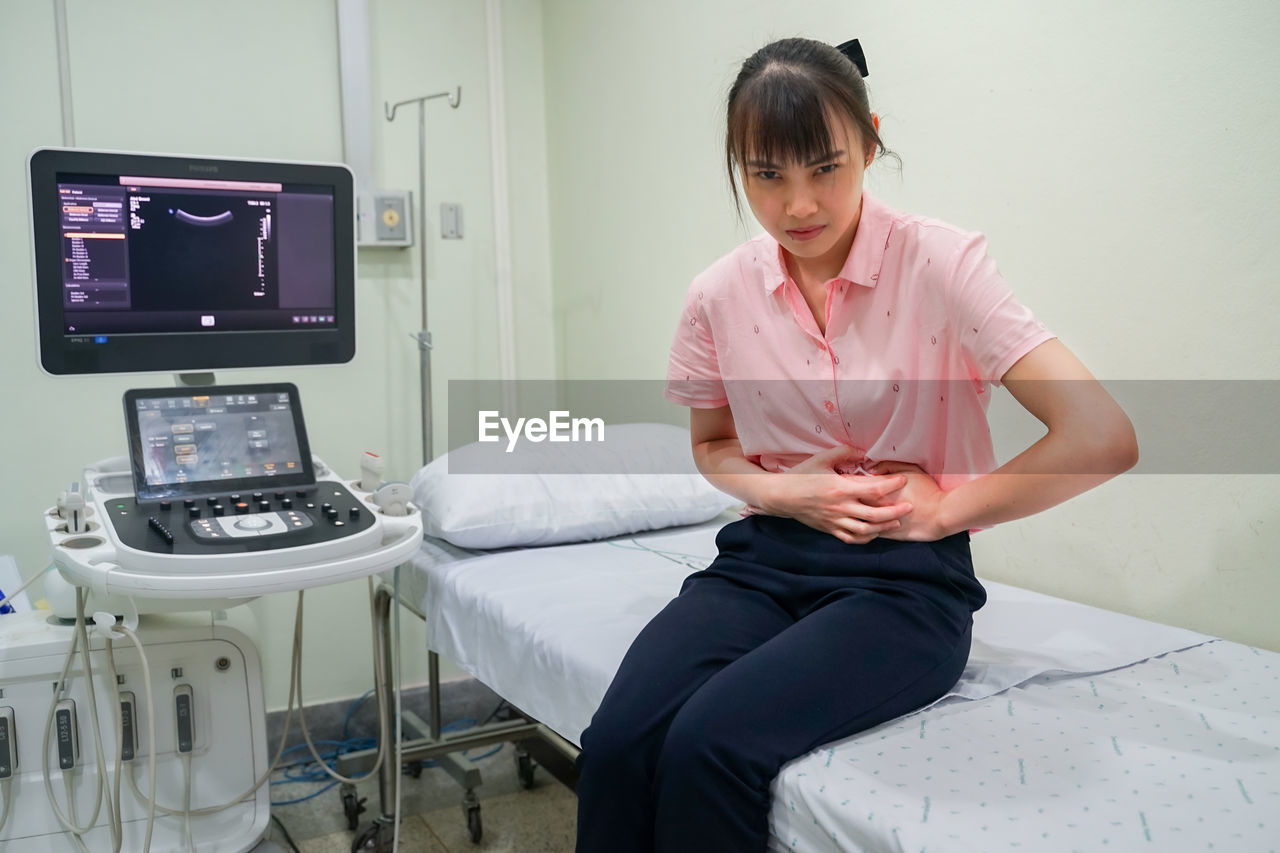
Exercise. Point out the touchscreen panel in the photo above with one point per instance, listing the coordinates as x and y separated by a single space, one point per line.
203 441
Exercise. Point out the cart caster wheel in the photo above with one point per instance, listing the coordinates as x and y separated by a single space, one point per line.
352 807
525 765
374 839
471 810
415 769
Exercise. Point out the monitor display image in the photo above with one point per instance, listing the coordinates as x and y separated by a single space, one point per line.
150 263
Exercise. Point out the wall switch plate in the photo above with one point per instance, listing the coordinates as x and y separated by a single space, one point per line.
451 221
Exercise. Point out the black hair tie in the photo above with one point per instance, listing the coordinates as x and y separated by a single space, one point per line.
853 52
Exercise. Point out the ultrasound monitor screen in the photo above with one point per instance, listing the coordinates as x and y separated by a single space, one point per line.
221 439
141 257
152 263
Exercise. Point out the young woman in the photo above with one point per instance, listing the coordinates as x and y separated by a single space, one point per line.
838 370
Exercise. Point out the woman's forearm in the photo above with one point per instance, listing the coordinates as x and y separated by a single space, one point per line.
1054 469
723 464
1089 441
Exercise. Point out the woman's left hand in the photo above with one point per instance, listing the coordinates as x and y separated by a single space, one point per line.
922 523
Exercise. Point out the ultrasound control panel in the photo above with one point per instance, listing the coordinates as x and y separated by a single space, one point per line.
219 501
240 521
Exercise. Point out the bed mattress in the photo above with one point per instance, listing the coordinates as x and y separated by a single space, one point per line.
1052 740
1177 753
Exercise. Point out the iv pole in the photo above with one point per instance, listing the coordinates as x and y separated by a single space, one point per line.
389 771
424 336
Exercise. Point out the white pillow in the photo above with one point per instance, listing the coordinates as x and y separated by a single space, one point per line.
656 485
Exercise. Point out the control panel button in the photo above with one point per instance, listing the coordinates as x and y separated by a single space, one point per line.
165 506
249 526
193 512
241 508
162 531
264 506
219 509
297 520
286 503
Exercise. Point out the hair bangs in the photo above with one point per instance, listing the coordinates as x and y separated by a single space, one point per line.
788 105
785 120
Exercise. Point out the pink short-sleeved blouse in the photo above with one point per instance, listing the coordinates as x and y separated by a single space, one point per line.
920 326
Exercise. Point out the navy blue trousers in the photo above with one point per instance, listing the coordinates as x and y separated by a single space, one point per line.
789 639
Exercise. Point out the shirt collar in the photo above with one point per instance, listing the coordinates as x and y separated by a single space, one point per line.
865 256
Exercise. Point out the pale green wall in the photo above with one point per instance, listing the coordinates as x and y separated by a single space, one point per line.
1120 156
246 78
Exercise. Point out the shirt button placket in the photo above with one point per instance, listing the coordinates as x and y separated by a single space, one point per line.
831 405
828 403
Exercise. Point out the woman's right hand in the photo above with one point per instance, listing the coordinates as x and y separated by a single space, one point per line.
849 507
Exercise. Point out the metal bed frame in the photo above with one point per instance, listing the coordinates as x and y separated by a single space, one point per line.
536 744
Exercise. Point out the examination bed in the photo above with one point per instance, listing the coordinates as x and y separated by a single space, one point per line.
1073 728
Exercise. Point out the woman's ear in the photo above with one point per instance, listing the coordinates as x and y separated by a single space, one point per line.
871 149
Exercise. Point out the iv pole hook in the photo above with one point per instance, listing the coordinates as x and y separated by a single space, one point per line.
455 98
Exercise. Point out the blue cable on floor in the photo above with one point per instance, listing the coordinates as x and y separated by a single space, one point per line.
307 771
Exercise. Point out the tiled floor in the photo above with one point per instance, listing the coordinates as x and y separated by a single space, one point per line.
515 820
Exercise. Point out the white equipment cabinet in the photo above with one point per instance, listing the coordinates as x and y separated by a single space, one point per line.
221 668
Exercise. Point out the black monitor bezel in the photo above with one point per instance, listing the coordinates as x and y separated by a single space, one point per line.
196 351
150 492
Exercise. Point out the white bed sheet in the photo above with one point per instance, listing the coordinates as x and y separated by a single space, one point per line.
1052 740
548 627
1178 753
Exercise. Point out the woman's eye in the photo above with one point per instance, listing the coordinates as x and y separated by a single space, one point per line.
766 174
827 168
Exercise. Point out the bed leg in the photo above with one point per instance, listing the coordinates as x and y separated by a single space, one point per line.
382 604
433 676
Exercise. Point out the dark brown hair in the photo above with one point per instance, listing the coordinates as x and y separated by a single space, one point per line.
779 103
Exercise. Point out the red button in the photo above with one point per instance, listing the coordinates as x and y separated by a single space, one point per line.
831 407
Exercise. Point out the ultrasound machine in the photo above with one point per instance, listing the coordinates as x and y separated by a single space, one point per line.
184 265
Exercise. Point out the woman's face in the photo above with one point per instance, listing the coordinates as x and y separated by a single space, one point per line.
812 208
